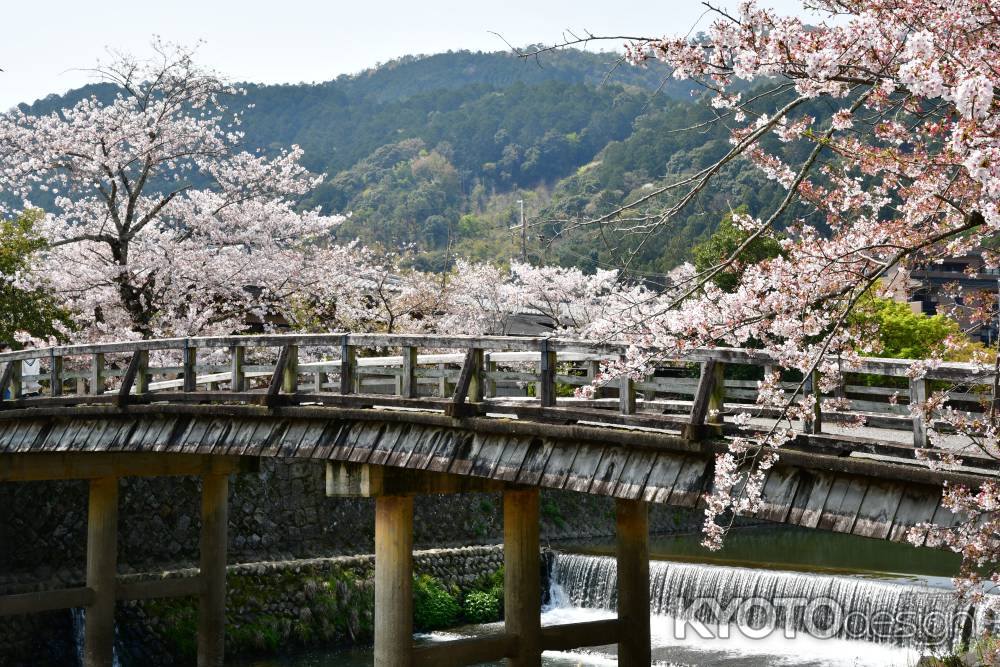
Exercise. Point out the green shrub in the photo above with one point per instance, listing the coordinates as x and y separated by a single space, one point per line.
433 606
482 607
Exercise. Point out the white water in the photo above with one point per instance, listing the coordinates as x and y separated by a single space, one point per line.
79 619
584 588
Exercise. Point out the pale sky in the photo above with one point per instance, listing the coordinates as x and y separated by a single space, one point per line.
45 43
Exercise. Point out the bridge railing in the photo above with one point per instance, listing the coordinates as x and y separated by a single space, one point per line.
456 373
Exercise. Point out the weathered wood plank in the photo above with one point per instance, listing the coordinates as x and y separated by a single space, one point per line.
35 603
471 651
558 465
566 636
778 494
509 466
193 438
915 507
608 472
135 365
382 448
418 438
421 454
333 434
703 394
547 375
490 451
662 477
118 438
448 449
292 438
636 470
878 510
91 465
536 459
810 498
843 504
692 480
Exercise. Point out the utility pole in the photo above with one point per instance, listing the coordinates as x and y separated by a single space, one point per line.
524 234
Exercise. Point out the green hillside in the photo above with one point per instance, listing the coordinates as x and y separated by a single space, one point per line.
432 153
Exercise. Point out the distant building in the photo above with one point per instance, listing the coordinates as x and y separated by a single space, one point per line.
926 290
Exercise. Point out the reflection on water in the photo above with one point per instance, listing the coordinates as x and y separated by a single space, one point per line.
668 651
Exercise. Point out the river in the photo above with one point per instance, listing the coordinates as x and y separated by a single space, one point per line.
773 596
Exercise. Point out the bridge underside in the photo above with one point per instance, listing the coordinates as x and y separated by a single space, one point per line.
836 493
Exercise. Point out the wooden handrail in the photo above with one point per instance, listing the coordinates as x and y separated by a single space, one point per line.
590 349
403 371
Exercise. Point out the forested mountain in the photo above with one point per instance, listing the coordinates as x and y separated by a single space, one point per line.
432 153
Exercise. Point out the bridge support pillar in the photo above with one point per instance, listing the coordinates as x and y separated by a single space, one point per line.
212 601
393 581
522 591
102 566
633 582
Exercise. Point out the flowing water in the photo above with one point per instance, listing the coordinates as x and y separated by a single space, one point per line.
78 617
771 598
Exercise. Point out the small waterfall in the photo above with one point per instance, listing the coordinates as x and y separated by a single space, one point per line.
79 619
77 615
790 602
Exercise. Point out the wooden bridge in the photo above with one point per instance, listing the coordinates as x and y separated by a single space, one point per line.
399 415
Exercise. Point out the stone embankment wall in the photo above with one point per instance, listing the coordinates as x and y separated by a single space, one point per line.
282 606
281 525
280 513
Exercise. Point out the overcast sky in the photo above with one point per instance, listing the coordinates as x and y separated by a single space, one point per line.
45 43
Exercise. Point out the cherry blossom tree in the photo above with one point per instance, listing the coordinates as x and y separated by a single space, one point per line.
482 297
894 104
157 223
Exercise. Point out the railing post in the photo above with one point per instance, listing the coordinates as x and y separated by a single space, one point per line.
476 385
55 375
489 367
16 385
522 590
190 362
918 396
348 360
443 381
290 376
319 379
142 376
102 566
212 574
6 377
814 422
393 581
237 380
626 395
408 380
593 367
717 397
129 380
632 518
708 401
97 374
547 375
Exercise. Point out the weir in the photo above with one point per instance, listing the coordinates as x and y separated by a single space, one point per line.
717 598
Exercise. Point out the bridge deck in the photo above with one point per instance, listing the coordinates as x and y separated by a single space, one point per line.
105 411
426 407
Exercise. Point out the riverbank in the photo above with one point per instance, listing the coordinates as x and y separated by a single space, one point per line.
299 604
